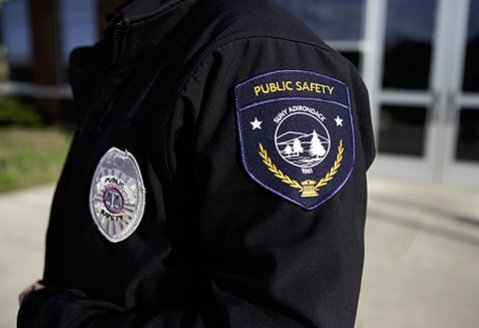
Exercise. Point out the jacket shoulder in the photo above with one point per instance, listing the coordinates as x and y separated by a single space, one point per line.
248 18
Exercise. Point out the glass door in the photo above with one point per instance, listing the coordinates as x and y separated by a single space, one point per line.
427 92
406 101
462 122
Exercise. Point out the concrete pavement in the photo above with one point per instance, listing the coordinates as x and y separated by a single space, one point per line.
422 257
422 254
23 221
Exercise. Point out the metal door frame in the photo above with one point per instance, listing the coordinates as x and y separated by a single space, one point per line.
443 98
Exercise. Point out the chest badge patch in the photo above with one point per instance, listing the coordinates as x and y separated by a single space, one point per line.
296 134
117 195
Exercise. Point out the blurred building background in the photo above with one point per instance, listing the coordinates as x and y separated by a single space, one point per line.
37 38
420 60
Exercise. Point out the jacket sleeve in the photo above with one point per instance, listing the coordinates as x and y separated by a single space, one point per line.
52 307
270 262
264 261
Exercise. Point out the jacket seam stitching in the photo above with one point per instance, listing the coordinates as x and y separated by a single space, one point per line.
201 58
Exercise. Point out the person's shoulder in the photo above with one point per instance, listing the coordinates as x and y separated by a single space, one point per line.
256 18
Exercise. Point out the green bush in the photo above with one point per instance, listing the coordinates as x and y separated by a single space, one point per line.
13 112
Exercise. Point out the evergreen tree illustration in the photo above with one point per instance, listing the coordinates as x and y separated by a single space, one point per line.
317 148
288 150
297 147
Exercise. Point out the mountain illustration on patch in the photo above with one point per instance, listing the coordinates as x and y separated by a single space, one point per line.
304 150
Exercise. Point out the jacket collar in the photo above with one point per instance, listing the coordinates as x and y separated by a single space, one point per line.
137 26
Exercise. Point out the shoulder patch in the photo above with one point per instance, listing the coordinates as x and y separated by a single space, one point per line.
117 195
296 134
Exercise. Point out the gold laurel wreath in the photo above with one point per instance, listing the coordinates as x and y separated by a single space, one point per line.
268 162
334 169
277 172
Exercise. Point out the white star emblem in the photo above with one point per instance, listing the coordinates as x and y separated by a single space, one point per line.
256 124
339 121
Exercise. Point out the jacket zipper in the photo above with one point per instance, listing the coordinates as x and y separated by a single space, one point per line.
117 40
89 127
117 52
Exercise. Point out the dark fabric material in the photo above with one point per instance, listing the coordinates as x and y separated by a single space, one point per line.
214 248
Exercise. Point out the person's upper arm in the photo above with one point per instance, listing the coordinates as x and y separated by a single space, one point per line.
281 234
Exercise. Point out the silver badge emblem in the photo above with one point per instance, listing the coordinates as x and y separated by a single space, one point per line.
117 195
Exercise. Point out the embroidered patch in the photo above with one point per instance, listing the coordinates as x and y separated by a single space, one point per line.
117 195
296 134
